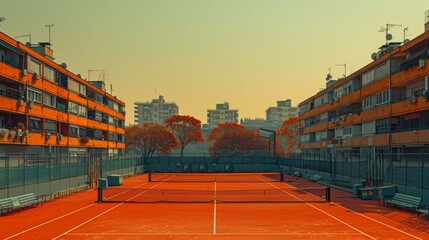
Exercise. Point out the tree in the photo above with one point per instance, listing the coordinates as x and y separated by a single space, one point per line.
150 138
230 139
187 129
289 132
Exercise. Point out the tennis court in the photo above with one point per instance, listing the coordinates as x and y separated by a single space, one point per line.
209 206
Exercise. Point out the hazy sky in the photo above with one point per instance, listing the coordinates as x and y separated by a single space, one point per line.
197 53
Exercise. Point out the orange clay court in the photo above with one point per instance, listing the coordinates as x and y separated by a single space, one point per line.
260 207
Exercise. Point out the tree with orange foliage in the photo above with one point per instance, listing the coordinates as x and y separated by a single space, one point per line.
230 139
150 138
187 129
289 132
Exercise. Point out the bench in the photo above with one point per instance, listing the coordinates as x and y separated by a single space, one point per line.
18 202
315 178
342 182
423 212
297 174
405 201
28 200
6 205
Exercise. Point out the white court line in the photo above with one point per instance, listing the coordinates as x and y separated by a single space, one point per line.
214 210
320 210
220 234
108 210
382 223
52 220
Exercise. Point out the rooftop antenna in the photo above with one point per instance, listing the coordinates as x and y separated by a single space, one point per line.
27 35
111 89
386 29
2 19
405 34
345 68
49 26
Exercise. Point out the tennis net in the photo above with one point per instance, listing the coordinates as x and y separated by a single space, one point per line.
215 177
286 195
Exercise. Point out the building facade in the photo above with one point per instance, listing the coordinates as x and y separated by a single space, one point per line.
379 113
44 108
156 111
222 114
282 111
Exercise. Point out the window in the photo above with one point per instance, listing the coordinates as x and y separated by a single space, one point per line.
368 128
74 130
382 98
34 66
368 102
49 73
368 77
98 98
110 120
382 125
82 132
49 126
34 95
115 106
82 111
34 125
73 85
82 89
49 100
73 108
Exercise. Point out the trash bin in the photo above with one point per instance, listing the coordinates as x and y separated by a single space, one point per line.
355 189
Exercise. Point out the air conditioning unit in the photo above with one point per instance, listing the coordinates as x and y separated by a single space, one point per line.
36 76
25 133
30 104
24 72
60 137
422 63
19 132
20 102
47 136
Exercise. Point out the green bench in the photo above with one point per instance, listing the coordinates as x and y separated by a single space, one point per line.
342 182
423 212
18 202
316 178
6 205
405 201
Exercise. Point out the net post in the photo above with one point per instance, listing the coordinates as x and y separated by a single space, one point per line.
149 177
99 194
328 194
282 178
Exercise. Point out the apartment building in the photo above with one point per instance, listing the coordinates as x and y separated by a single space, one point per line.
45 108
281 112
381 108
156 111
222 114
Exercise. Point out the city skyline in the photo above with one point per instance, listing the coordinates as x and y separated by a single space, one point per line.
199 53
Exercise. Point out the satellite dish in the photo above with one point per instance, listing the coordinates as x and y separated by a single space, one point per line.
64 65
374 56
79 75
328 77
389 37
406 40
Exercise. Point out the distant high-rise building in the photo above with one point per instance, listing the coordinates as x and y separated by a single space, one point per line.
156 111
283 111
222 114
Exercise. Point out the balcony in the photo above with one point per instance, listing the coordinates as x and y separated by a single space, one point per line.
11 105
411 137
10 72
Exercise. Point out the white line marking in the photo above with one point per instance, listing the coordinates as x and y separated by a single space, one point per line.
382 223
52 220
214 210
108 210
222 234
320 210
